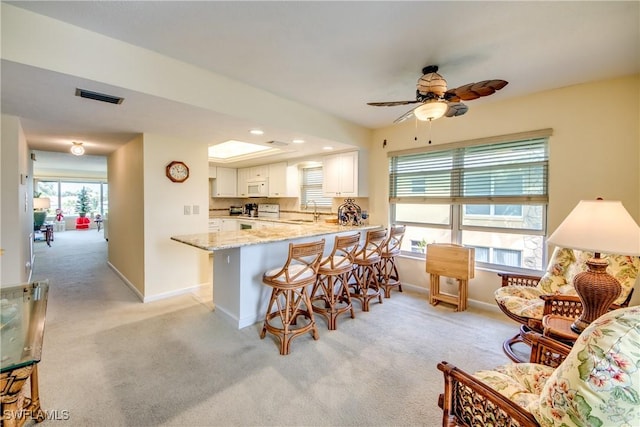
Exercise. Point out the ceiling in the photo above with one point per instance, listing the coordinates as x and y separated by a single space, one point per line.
333 56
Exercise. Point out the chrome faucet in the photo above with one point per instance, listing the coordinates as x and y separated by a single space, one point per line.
316 215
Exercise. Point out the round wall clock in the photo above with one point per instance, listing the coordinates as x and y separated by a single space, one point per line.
177 171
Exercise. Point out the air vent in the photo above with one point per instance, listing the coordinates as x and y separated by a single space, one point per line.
277 143
82 93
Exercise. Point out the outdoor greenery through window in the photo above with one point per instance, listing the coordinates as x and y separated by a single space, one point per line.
64 195
311 189
491 196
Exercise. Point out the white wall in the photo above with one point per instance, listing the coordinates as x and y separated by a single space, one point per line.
594 152
16 211
171 267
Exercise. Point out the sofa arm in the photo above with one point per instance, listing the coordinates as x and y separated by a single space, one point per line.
467 401
545 350
511 279
562 305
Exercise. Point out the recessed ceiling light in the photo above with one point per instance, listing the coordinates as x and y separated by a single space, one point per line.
256 132
298 141
232 148
327 148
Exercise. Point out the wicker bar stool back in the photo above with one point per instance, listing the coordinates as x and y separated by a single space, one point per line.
389 277
330 295
289 296
363 282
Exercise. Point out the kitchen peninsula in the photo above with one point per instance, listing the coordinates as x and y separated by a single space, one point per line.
240 258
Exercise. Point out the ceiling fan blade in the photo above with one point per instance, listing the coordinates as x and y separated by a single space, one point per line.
474 90
391 103
405 116
456 109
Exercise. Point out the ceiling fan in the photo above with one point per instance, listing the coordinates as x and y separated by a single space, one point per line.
436 101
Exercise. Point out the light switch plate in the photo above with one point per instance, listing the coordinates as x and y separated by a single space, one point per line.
187 210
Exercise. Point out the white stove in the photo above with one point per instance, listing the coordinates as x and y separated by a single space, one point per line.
268 210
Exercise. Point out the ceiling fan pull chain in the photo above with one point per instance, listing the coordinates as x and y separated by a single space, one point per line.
415 138
430 120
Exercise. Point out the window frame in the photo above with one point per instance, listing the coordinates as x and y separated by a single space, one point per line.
457 203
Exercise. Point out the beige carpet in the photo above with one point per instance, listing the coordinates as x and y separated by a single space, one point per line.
109 360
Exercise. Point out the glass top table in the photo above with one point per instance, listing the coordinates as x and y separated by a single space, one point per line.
22 318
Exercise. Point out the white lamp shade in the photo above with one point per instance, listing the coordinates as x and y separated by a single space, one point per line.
41 203
431 110
602 226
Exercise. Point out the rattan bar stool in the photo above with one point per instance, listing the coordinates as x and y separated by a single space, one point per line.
289 296
330 295
389 277
363 282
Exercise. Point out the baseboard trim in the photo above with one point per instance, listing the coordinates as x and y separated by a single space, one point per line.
471 302
126 282
170 294
164 295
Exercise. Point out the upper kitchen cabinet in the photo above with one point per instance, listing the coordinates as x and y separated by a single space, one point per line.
342 175
243 177
212 172
283 180
224 185
258 172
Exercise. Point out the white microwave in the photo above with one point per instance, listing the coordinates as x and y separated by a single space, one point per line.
258 187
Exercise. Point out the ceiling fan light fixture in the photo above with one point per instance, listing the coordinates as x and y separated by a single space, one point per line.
77 149
431 110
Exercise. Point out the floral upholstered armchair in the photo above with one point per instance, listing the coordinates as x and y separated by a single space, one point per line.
527 299
597 384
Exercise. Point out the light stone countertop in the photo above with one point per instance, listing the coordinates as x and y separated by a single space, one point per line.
288 231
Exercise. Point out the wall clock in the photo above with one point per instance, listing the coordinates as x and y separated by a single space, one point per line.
177 171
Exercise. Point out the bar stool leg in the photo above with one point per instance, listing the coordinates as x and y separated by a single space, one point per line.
389 277
288 314
365 288
331 291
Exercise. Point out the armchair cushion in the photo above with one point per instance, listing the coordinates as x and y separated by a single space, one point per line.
564 265
599 383
521 382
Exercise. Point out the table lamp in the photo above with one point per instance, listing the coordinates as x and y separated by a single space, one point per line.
41 203
599 226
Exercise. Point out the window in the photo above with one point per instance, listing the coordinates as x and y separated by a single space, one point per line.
64 195
311 189
489 194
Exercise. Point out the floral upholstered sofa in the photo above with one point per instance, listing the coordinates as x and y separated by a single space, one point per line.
598 384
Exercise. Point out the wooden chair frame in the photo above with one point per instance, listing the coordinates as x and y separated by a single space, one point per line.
389 277
562 305
289 297
467 401
331 290
363 282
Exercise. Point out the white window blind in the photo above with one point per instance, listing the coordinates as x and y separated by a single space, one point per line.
312 188
505 172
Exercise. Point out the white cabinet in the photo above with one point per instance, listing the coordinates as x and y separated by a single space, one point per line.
214 225
212 171
243 177
229 225
342 175
283 180
258 172
224 185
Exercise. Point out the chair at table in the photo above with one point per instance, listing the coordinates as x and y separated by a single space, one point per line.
595 383
389 277
363 282
289 296
527 299
330 295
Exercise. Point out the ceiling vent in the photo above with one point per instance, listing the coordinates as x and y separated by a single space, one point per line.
277 143
82 93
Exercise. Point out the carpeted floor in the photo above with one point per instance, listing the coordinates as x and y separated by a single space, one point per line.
109 360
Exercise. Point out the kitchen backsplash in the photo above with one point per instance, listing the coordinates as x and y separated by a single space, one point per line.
289 206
